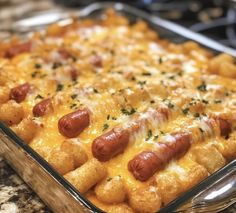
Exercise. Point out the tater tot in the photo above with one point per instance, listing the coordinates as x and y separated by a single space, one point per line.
145 199
215 63
168 185
228 147
209 157
61 161
4 94
120 208
76 150
26 129
111 190
86 176
227 69
11 113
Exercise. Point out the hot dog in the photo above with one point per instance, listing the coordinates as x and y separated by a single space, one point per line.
115 141
145 164
72 124
17 49
110 144
43 107
225 127
19 93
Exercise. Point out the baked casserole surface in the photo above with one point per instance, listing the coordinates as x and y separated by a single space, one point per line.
130 119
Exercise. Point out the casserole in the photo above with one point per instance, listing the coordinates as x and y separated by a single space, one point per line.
164 111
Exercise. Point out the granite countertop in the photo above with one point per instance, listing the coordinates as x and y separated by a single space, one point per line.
15 195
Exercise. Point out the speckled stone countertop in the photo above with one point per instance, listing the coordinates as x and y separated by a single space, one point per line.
15 195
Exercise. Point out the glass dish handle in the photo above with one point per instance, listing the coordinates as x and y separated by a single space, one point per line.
214 198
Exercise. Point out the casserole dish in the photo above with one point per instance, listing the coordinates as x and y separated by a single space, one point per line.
44 172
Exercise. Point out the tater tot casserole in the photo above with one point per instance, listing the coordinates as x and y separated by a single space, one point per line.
130 119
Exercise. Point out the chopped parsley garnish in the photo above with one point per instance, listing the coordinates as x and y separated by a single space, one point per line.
202 87
218 101
146 74
152 101
56 65
185 111
108 117
105 126
39 96
73 106
180 73
163 72
172 77
149 135
201 130
74 96
114 118
205 101
160 60
141 83
162 132
33 74
109 179
155 137
37 66
128 112
170 105
133 79
197 115
95 90
59 87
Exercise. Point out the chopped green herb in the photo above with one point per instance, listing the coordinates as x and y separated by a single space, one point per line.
172 77
37 66
196 115
33 74
185 111
201 129
180 73
73 106
170 105
152 101
163 72
146 74
105 126
205 101
59 87
202 87
149 135
133 79
114 118
108 117
217 101
156 137
162 132
95 90
141 83
109 179
160 60
56 65
74 96
127 112
39 96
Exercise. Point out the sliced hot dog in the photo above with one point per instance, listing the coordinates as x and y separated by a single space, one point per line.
19 93
110 144
43 107
17 49
145 164
72 124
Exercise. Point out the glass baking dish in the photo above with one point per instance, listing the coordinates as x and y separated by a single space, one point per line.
213 194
